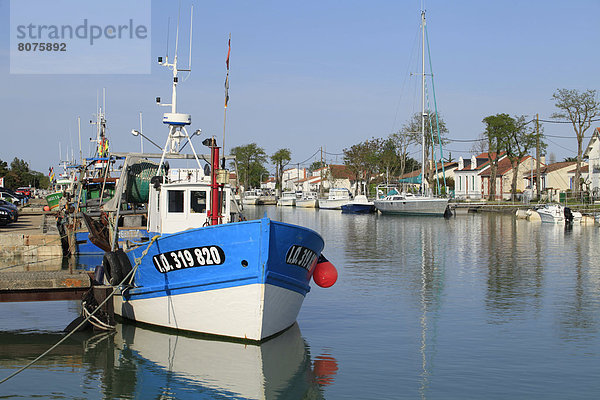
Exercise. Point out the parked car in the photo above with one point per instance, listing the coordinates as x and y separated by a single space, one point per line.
6 216
25 191
14 208
12 193
6 196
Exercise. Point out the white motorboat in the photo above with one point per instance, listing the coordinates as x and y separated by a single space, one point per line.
308 200
251 197
336 199
558 214
360 205
287 199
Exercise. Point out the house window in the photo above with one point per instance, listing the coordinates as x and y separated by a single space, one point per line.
197 201
472 182
175 199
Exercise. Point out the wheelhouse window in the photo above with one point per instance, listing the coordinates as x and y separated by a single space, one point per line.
175 199
197 201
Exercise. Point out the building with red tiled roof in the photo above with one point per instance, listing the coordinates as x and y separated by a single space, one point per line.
468 183
554 177
473 177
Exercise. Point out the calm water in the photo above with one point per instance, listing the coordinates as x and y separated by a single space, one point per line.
479 306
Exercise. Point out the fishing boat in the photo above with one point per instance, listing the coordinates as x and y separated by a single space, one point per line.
336 199
203 268
423 203
359 205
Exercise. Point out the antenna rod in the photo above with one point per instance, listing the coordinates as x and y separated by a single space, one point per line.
79 130
191 19
168 29
177 34
141 133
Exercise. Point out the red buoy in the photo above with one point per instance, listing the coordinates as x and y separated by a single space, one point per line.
46 208
325 273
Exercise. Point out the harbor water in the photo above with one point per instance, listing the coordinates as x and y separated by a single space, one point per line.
477 306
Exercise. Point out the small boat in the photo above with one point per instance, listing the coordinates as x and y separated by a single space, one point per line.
558 214
203 268
360 205
336 199
308 200
287 198
251 197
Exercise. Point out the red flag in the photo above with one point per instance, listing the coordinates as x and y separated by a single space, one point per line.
227 77
228 52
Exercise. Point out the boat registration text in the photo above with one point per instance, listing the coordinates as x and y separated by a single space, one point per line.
188 258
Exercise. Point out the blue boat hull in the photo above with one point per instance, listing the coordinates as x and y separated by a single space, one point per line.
358 208
245 280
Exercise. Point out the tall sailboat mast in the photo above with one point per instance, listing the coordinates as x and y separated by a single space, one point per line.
423 181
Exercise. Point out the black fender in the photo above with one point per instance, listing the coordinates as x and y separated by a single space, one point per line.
116 266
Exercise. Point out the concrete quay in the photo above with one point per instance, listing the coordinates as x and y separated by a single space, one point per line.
31 261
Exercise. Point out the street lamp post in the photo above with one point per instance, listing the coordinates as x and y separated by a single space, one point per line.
138 133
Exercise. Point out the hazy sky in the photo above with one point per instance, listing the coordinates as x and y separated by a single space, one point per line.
306 74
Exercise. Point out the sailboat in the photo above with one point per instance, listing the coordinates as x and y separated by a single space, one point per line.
423 203
202 267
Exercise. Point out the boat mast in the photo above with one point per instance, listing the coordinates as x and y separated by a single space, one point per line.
423 185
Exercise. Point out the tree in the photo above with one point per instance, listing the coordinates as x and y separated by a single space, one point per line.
496 132
580 108
389 160
250 159
316 165
413 130
519 140
280 158
480 145
361 159
401 142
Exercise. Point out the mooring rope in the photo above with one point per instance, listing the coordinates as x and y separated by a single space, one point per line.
130 274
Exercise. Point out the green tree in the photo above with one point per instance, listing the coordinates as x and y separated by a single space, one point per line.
520 139
316 165
362 160
250 159
580 108
280 159
496 132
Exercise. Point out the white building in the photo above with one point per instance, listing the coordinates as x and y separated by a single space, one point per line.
592 153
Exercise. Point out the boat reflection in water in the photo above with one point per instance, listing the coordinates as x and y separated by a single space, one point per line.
179 367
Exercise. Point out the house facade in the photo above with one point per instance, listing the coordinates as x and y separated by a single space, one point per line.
467 181
592 153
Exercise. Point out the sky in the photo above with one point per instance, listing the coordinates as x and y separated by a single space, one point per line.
316 73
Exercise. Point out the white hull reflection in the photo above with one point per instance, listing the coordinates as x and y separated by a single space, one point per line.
186 365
